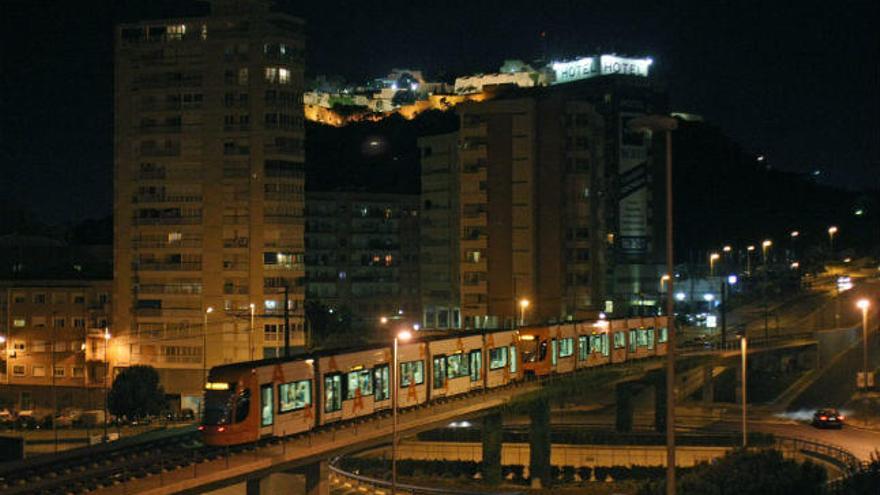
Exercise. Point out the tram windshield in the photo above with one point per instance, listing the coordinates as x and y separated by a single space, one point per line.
218 406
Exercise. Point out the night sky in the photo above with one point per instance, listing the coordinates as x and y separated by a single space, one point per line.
797 81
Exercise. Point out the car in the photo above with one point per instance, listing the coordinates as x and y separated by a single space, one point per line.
828 418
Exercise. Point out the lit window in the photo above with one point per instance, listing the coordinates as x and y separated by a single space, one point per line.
270 304
294 395
174 237
59 371
284 76
176 32
18 370
19 322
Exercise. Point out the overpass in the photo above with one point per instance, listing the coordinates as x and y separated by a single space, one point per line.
273 465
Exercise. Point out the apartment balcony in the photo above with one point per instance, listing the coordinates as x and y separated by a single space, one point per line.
161 267
167 221
165 198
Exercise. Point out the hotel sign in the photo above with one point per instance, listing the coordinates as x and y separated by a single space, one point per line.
587 67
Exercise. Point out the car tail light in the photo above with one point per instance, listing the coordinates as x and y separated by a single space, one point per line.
823 418
202 428
221 429
841 417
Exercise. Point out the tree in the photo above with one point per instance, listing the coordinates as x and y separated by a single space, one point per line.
743 472
136 393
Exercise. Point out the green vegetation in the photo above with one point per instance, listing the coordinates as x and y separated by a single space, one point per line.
136 393
742 472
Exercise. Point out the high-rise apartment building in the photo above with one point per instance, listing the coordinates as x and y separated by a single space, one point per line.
439 227
362 254
208 204
531 230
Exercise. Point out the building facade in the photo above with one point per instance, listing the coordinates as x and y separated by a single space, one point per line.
362 254
531 230
53 334
208 205
439 232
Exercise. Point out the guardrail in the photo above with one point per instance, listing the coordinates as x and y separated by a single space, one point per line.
754 342
841 458
362 483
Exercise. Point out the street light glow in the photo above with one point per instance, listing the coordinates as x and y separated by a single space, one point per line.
832 230
404 335
863 304
665 277
209 310
795 265
727 249
795 233
708 297
732 279
750 248
767 243
680 296
714 256
524 303
383 320
106 334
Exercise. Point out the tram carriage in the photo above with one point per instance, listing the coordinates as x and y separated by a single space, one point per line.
245 402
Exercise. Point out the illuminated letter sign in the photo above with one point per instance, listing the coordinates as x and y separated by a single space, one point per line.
610 64
581 68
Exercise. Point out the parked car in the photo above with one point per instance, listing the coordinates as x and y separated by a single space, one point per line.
828 418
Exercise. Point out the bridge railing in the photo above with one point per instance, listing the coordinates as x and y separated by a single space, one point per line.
844 460
734 345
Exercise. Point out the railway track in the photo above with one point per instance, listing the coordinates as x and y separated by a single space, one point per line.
83 470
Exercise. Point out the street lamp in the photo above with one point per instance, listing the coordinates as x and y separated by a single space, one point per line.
251 336
205 348
725 294
864 304
523 304
712 259
661 123
402 336
765 246
744 352
749 251
106 375
831 231
663 280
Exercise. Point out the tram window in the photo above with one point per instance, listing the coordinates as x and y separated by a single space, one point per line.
583 348
619 340
358 381
294 395
267 403
643 337
497 358
513 362
554 347
633 340
439 371
242 405
412 372
476 364
332 392
649 335
380 382
566 347
664 335
456 366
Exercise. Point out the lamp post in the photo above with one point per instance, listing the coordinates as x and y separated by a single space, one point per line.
712 259
831 231
661 123
793 235
744 352
749 251
864 304
663 280
251 335
402 336
106 375
725 294
523 304
765 246
205 354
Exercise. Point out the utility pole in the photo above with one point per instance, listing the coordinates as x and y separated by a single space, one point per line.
286 321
